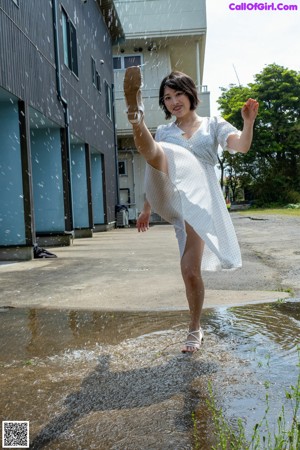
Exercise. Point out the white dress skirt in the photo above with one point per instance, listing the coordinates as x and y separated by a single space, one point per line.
191 193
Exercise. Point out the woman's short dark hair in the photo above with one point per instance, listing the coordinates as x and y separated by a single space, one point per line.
179 82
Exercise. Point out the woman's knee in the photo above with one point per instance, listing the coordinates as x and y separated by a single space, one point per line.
191 274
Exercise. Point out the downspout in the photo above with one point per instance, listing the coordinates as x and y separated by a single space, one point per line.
133 176
64 103
115 144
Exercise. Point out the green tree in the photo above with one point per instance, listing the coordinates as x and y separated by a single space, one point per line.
271 169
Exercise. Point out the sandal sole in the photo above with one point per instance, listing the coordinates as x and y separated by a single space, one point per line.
132 85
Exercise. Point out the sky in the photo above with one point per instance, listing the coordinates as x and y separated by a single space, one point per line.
240 43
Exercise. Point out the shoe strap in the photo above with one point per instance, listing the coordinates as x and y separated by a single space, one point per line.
197 339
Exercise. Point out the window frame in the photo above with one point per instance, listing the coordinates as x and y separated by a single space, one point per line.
108 100
93 69
125 174
117 57
98 82
69 43
122 59
96 77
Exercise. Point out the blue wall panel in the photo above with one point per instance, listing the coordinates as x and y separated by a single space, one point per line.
79 186
12 224
97 188
48 191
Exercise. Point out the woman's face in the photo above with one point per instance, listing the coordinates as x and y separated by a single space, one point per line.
176 102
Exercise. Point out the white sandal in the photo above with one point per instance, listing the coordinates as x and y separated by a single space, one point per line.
133 95
195 343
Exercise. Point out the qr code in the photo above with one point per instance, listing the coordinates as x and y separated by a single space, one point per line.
15 434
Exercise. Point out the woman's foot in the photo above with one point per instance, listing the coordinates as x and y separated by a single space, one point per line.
193 342
133 95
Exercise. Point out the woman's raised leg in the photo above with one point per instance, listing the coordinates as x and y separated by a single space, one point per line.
144 142
194 286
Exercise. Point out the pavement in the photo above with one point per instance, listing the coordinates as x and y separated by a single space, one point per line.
123 270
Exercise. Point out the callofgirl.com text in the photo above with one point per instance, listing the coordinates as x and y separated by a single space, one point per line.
265 6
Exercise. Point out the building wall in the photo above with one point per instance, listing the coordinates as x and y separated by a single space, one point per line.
27 55
28 73
88 118
177 26
28 64
162 18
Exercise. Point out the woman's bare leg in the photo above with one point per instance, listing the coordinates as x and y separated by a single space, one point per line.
148 147
144 142
191 273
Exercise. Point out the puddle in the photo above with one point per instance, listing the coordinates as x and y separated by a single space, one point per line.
91 380
30 333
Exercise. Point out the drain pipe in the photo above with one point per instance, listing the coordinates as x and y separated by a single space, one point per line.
115 144
64 103
133 175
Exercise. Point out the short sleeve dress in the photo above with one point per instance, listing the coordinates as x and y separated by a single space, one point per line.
191 192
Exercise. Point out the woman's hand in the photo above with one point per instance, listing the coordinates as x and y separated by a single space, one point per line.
143 220
241 143
250 110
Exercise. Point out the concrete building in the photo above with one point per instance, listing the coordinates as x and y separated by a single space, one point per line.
160 36
58 175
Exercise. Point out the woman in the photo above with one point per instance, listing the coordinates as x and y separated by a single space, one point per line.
181 184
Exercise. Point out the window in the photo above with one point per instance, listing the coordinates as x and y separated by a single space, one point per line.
124 61
117 62
122 164
132 60
98 81
108 101
96 78
70 44
93 71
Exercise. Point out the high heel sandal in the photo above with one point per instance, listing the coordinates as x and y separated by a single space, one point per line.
133 95
195 343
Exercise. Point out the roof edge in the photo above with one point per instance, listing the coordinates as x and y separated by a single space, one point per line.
112 19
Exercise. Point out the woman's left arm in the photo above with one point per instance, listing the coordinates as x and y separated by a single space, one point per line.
243 142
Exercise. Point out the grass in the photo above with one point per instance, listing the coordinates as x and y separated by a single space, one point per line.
281 434
272 211
288 290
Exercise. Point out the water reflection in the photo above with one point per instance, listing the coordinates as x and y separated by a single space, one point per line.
266 339
40 333
272 329
278 322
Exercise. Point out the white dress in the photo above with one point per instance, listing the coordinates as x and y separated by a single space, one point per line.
191 191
